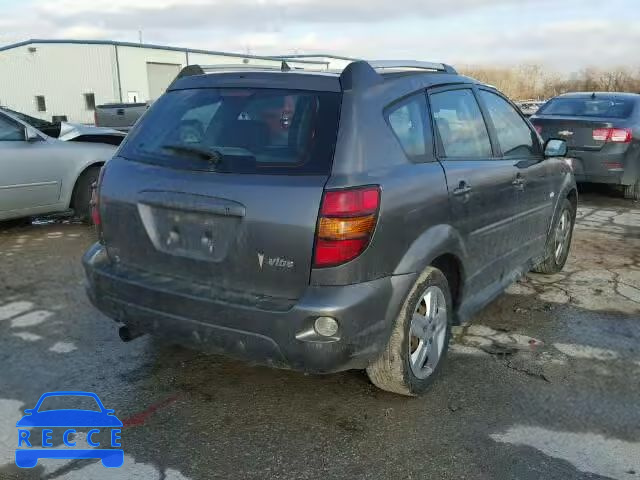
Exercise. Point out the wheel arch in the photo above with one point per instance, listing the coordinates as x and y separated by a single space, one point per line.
451 266
86 167
572 196
440 246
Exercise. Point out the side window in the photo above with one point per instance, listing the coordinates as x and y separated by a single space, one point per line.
460 124
407 120
10 131
514 135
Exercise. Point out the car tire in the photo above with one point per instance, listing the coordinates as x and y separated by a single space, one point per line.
81 199
417 346
556 254
632 192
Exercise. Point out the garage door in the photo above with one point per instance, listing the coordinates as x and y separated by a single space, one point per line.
160 75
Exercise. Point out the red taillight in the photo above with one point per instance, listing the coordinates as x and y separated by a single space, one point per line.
615 135
350 202
347 221
95 202
621 135
95 211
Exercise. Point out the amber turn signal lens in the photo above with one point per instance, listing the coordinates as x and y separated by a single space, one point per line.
346 228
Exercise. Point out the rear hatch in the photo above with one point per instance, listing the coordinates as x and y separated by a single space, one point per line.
576 119
221 187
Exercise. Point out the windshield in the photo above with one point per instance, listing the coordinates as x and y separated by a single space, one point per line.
589 107
34 122
239 131
48 128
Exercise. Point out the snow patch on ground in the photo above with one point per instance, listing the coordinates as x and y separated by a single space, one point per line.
14 308
587 452
63 347
30 319
586 352
27 336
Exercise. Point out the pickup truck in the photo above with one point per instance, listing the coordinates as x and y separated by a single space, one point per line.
121 116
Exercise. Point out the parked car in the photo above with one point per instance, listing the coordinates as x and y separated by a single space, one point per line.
49 167
602 131
67 131
325 222
529 107
121 116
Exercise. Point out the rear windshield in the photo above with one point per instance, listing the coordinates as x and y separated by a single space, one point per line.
589 107
239 131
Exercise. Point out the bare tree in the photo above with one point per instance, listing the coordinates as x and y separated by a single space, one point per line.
532 81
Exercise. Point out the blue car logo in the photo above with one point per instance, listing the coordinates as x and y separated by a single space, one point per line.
27 453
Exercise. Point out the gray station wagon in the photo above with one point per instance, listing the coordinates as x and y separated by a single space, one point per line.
326 221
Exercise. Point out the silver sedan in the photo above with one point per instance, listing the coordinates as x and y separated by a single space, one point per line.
49 167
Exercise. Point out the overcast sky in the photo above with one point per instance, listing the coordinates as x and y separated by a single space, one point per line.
566 35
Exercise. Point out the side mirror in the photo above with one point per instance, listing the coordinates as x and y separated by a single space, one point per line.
30 135
28 411
555 148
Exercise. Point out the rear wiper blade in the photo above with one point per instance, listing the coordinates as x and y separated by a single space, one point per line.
211 155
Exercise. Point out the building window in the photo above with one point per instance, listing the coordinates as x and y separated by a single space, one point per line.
40 103
90 101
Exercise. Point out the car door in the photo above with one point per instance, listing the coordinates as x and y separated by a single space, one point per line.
520 146
29 177
482 197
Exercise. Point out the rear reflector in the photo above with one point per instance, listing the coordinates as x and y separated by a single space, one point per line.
615 135
336 252
346 224
613 166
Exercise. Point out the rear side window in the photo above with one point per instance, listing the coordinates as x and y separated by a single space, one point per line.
407 120
514 135
239 131
589 107
460 124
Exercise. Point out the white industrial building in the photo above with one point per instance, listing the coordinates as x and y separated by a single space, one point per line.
67 78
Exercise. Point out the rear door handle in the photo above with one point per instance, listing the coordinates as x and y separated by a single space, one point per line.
463 189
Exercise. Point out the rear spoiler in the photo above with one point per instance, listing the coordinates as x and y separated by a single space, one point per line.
357 74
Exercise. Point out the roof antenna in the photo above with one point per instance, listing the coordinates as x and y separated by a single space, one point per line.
284 66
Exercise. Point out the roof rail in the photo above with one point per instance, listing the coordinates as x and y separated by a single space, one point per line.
358 72
410 65
284 67
195 69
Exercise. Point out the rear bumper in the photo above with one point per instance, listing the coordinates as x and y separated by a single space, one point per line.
616 168
364 311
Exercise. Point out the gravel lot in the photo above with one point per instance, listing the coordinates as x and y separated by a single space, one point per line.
544 383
